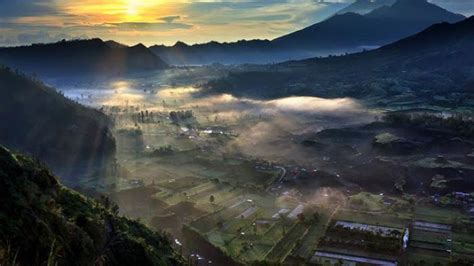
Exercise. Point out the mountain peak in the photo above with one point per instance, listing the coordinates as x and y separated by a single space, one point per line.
411 1
139 46
363 7
180 44
114 44
421 11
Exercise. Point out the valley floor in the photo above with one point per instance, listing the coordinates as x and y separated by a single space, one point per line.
233 183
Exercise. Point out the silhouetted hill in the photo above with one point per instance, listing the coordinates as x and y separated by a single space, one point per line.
381 26
35 119
363 7
253 51
437 60
344 32
76 57
45 223
350 30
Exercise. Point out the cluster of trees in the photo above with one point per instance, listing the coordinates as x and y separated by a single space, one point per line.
374 241
144 117
181 116
462 124
164 150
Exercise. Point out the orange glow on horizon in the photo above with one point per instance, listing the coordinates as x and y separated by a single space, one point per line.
102 11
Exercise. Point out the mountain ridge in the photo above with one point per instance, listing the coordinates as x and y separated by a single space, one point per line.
435 61
88 56
342 33
381 26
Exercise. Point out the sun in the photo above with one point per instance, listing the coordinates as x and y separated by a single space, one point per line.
132 8
136 9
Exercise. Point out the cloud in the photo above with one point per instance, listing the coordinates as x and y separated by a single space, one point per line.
197 22
22 8
149 26
158 22
169 19
465 7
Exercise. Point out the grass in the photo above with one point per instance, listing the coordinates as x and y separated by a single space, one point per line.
380 219
182 183
432 163
367 201
429 258
201 190
431 237
354 252
283 248
221 199
386 138
463 247
257 253
220 239
437 215
274 233
310 241
428 246
459 237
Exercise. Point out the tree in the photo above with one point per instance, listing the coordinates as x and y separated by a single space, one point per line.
109 205
301 217
212 199
316 217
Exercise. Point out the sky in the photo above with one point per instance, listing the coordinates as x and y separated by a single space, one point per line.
166 22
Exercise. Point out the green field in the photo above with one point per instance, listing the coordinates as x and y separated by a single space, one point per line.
437 215
284 247
381 219
423 257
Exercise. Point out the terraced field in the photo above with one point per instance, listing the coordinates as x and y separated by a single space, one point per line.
284 247
309 242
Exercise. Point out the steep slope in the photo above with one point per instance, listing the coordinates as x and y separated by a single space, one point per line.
93 57
350 31
72 139
44 223
363 7
438 60
381 26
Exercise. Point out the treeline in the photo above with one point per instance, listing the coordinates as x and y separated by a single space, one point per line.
63 41
181 116
461 124
338 236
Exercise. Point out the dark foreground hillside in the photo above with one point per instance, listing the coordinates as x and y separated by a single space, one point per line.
44 223
35 119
